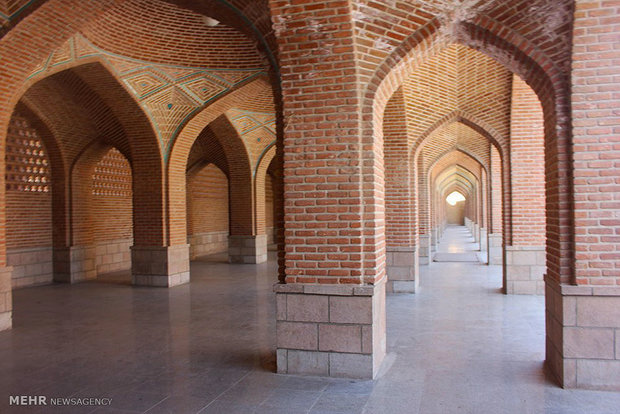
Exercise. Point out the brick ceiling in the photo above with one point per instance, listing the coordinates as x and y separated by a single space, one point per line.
381 26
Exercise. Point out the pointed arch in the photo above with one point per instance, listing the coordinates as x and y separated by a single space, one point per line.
549 83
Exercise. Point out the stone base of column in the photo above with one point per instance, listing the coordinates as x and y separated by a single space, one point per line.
476 232
424 249
434 240
583 335
201 244
164 266
525 268
75 264
247 249
6 298
483 240
330 330
402 270
496 252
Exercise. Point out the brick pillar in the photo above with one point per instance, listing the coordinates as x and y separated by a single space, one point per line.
159 258
331 310
253 248
248 240
401 249
495 204
484 211
583 314
526 258
424 222
74 250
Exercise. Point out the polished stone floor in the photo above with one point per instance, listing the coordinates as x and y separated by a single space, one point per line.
457 346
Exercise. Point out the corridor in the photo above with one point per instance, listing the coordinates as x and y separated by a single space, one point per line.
458 245
457 346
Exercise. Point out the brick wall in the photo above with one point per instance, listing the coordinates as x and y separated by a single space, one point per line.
269 210
112 212
527 156
102 214
496 199
596 126
400 204
28 205
207 210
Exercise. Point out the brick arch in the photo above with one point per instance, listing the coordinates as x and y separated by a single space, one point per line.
69 17
424 183
74 112
102 215
207 149
81 174
102 110
521 57
458 172
462 170
242 196
468 161
454 188
467 175
491 38
479 125
234 148
260 176
241 193
463 151
458 187
466 188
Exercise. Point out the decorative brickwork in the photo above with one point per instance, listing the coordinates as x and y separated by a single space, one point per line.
344 124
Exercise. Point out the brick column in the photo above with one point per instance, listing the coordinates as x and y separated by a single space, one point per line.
424 223
331 310
158 257
526 258
495 205
583 314
247 242
401 249
74 249
484 211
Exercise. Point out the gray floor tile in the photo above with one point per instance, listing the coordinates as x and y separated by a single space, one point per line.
458 345
175 404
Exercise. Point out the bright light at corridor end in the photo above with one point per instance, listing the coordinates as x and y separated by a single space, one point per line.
454 198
